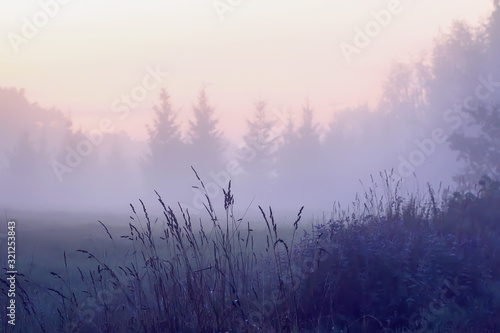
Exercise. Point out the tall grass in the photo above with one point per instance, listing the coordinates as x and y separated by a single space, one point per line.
391 262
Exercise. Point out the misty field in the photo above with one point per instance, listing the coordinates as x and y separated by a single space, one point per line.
383 265
250 166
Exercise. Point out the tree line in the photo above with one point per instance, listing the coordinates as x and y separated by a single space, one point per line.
440 109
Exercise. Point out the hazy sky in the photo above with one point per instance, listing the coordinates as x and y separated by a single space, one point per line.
91 52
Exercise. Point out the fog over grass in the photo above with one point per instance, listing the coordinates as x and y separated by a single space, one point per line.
285 152
232 166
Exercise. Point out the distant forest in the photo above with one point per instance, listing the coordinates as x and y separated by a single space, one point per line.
438 117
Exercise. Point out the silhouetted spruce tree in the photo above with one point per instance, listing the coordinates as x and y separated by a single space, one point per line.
310 148
257 153
205 140
308 131
345 135
286 155
300 164
166 160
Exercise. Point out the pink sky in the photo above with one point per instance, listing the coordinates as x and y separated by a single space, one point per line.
91 52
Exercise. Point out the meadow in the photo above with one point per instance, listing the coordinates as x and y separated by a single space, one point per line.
389 262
